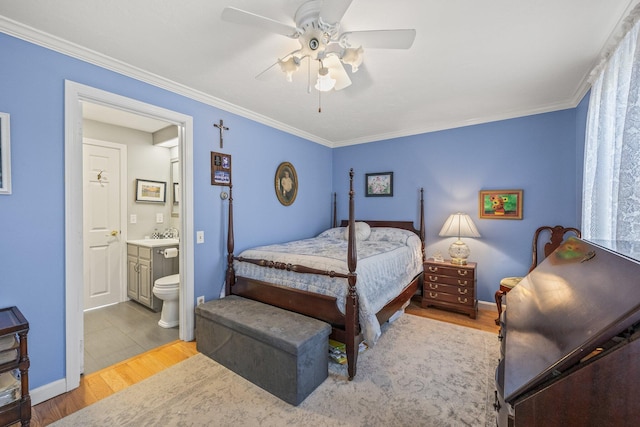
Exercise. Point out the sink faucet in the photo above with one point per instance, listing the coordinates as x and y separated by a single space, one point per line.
172 233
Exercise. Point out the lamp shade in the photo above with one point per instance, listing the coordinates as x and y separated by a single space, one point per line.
459 225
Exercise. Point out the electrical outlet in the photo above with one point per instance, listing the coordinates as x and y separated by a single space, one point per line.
200 300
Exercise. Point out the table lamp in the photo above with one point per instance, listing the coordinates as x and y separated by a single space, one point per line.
459 225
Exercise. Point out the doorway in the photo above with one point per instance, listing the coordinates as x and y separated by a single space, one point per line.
117 148
75 95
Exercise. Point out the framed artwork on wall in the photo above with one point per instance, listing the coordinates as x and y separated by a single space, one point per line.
151 191
379 184
500 204
220 169
5 155
286 183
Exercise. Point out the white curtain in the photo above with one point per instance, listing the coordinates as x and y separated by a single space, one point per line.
611 189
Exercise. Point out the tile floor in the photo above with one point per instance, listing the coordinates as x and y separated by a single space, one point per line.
120 331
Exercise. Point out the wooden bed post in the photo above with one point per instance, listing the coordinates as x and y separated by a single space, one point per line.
335 217
231 275
351 310
422 227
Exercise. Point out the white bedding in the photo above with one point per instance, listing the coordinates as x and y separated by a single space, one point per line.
388 258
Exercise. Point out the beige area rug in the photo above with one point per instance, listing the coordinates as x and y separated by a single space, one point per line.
422 372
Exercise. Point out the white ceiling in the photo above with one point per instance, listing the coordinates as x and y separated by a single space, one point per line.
472 61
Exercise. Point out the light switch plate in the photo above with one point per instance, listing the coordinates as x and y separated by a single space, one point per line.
199 236
159 218
133 218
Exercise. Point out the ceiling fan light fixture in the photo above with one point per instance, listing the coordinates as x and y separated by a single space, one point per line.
353 57
289 67
325 82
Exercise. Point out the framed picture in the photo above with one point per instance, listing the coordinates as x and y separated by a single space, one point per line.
176 193
151 191
220 169
286 183
5 155
379 184
500 204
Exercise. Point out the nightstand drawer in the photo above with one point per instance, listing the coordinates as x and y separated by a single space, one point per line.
456 281
448 289
463 300
451 271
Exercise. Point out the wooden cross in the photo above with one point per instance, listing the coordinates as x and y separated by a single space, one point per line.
221 127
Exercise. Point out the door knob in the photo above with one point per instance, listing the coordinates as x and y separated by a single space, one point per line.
113 233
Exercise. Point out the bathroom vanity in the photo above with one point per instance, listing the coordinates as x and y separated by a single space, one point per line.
145 264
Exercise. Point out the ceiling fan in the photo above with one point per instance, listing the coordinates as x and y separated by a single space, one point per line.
317 29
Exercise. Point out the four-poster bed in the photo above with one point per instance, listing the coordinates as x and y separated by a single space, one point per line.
342 311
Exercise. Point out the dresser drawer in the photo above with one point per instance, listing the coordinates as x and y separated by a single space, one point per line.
451 271
457 281
464 300
449 289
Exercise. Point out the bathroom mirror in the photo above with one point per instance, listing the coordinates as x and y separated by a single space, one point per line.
175 188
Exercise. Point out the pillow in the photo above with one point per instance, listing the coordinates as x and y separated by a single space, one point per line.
332 233
390 234
363 231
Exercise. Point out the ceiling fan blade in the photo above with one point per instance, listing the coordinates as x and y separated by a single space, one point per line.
332 11
380 39
337 71
237 16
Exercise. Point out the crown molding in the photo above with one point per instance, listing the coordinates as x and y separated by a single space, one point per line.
65 47
73 50
447 125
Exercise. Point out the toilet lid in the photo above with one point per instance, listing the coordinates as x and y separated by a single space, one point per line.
174 279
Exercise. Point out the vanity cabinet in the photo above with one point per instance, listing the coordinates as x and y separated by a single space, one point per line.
15 402
145 265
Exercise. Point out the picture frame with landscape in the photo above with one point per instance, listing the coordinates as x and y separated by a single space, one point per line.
151 191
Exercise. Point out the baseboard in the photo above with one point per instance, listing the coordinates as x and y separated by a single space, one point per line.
47 391
486 305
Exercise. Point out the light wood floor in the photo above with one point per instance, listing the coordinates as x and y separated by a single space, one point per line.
105 382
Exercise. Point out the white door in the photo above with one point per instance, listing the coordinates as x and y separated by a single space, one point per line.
103 249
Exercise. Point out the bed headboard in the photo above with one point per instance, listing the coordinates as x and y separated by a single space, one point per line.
405 225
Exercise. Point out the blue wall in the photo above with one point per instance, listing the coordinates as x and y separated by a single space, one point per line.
537 154
33 235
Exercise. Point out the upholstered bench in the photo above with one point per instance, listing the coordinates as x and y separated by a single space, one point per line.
284 353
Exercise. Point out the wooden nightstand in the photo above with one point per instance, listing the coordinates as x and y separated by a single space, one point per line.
450 286
13 357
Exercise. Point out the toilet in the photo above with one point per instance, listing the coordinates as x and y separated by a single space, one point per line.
168 290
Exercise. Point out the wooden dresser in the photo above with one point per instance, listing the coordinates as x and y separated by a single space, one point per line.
450 286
